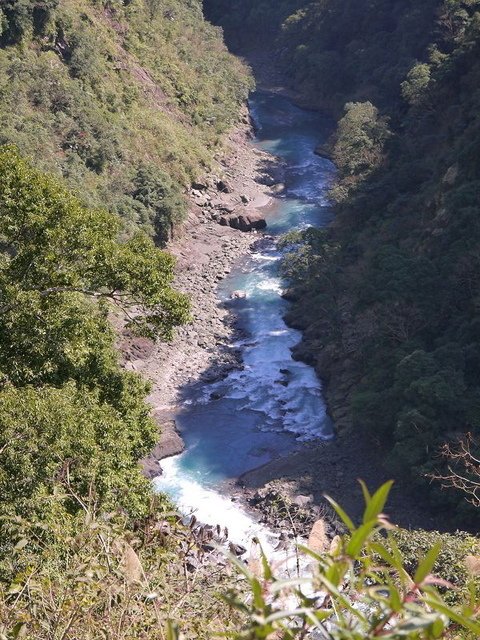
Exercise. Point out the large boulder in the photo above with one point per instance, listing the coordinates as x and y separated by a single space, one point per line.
224 186
199 186
246 221
169 444
318 540
239 294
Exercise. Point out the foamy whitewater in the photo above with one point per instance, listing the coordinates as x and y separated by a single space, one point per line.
209 506
265 409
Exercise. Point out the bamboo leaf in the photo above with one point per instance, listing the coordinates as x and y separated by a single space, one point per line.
425 567
279 585
366 493
468 623
359 537
377 502
341 513
267 570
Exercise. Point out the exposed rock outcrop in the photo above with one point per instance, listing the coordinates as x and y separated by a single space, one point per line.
170 444
247 221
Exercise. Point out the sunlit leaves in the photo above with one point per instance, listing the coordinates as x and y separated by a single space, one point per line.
361 594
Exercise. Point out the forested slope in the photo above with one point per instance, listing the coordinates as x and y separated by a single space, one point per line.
126 100
388 297
108 110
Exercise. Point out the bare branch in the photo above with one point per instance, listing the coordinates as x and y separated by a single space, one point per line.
115 296
464 470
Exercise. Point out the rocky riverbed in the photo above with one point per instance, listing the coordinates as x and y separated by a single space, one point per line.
202 351
206 249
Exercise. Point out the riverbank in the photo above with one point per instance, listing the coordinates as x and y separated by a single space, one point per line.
334 468
201 351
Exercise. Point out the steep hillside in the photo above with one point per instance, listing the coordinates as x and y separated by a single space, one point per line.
388 296
109 110
332 52
126 100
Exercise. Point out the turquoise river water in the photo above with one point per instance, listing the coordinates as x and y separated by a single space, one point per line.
273 403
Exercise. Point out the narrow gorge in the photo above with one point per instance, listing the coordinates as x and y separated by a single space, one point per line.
239 319
271 403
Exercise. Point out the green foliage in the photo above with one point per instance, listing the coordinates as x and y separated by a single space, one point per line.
450 562
22 17
336 52
56 250
360 137
155 190
388 300
94 90
69 415
362 588
125 103
358 147
52 437
245 20
94 575
414 86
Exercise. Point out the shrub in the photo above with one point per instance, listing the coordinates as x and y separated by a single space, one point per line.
360 590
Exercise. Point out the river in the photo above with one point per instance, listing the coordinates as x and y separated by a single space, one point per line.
273 403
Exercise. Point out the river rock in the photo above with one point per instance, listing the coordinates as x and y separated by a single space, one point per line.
238 294
272 177
199 186
451 175
324 151
237 549
244 222
318 540
192 563
228 208
303 501
151 468
224 187
169 444
267 180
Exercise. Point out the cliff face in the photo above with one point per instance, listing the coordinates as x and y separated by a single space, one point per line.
387 297
126 100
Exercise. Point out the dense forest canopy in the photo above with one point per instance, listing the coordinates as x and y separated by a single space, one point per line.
388 296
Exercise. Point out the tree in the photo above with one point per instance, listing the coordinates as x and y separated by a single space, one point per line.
418 78
360 138
67 438
23 15
69 415
55 250
156 191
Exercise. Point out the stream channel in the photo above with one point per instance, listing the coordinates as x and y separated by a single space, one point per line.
274 403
